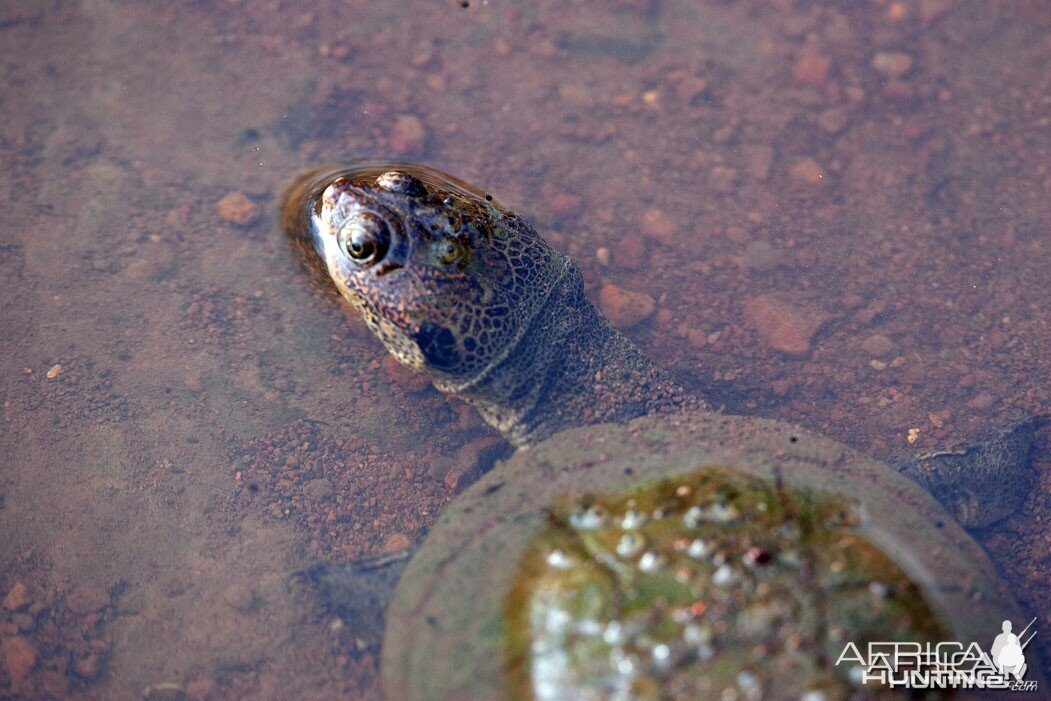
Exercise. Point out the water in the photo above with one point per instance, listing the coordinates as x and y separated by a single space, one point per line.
186 422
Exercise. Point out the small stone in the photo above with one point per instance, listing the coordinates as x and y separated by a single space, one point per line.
17 597
54 371
441 467
784 324
811 67
88 667
878 365
629 252
25 622
832 120
808 171
472 459
931 10
576 95
757 160
697 338
408 136
239 597
897 91
164 691
690 87
878 346
761 255
725 133
982 401
722 180
565 205
892 64
19 657
658 226
194 383
317 489
625 308
396 543
237 209
403 377
87 599
603 256
200 689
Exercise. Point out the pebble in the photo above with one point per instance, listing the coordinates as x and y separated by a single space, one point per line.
832 120
471 459
761 255
200 689
403 377
397 542
878 346
757 160
812 67
808 171
317 489
892 64
982 401
164 691
658 226
194 382
237 209
625 308
722 180
88 667
408 136
565 205
17 597
151 263
239 597
25 622
784 324
898 91
54 371
441 467
19 657
629 252
87 599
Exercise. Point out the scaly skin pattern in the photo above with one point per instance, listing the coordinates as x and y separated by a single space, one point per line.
466 292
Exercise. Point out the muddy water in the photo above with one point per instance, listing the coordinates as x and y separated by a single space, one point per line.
187 422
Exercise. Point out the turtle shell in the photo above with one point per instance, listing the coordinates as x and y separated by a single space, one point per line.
682 557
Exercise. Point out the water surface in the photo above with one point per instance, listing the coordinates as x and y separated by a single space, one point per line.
186 422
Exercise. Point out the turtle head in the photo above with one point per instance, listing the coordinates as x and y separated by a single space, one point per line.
444 276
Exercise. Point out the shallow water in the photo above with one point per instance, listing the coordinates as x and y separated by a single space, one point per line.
186 422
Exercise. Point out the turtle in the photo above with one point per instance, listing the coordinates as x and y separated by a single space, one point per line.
639 543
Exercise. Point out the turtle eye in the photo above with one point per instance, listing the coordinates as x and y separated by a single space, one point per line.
365 238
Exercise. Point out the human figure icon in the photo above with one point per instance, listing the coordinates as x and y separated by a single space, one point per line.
1007 653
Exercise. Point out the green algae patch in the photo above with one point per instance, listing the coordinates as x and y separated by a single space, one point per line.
689 587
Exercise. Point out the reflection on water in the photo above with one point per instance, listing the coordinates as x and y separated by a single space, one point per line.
830 214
